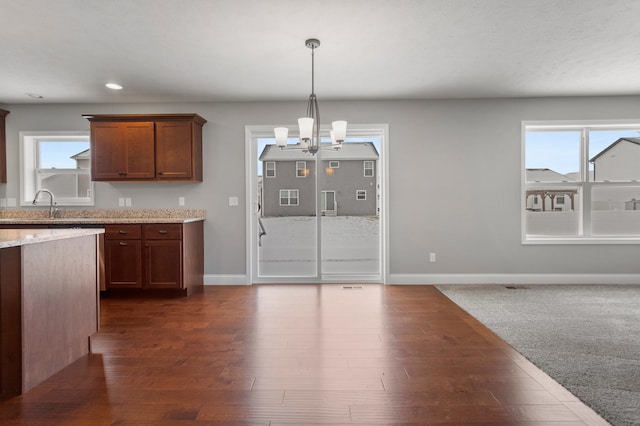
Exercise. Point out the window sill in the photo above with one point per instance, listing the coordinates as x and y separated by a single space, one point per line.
579 240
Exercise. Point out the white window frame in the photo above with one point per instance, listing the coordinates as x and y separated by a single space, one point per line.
267 169
584 185
289 197
359 192
370 168
29 182
334 164
301 169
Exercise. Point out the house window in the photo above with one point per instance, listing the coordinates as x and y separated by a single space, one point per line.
270 169
578 180
368 169
59 162
361 194
301 169
334 164
289 197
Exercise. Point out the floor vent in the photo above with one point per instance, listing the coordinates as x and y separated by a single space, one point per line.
352 287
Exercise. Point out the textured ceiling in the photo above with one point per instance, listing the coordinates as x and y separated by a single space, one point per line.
221 50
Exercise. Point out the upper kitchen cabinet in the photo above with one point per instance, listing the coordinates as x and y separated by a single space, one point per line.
179 150
151 147
3 147
122 151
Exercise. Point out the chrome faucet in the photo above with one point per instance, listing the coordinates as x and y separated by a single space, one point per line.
52 204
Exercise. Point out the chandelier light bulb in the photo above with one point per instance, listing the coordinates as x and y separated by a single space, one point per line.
281 136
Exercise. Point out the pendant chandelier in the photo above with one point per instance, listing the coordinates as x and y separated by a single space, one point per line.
309 125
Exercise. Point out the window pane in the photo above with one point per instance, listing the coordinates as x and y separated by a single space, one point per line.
614 155
545 216
552 156
615 210
65 185
63 155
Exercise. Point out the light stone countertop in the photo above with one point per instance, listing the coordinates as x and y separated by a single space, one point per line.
79 217
21 237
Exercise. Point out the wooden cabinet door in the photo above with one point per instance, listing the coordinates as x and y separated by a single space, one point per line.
123 262
107 152
122 151
174 150
138 142
163 264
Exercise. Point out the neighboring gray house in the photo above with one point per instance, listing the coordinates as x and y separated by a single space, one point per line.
348 181
618 162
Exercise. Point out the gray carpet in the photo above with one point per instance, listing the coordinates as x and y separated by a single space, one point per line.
587 337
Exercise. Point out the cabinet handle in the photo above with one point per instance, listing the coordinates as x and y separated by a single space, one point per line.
162 231
122 173
122 231
122 243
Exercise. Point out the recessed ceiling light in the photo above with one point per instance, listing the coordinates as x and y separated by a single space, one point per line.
34 95
114 86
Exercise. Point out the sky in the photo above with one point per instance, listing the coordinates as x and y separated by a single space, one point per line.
56 154
560 150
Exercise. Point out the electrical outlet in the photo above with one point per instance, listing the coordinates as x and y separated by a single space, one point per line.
432 257
233 201
181 201
121 201
127 202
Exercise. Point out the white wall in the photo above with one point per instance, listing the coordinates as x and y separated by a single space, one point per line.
462 153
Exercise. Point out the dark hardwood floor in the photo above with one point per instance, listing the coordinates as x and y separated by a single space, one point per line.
297 355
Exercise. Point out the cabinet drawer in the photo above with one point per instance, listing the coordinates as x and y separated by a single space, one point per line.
163 231
122 232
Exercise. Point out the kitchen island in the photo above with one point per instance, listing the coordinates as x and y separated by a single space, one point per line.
49 302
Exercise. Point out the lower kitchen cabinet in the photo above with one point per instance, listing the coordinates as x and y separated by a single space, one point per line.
152 257
124 264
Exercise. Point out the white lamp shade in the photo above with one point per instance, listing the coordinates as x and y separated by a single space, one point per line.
339 130
306 127
281 136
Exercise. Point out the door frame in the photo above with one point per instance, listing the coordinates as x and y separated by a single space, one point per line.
252 133
324 201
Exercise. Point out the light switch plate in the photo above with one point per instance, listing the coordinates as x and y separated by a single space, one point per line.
181 201
233 201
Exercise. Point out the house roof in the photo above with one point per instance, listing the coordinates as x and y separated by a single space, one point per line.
82 155
349 151
601 153
546 175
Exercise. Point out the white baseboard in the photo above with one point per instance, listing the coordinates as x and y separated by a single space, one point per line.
423 279
210 279
514 279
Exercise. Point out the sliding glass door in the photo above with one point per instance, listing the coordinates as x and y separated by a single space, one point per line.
316 218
